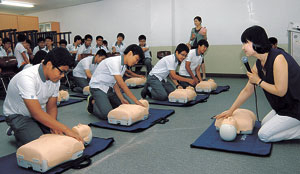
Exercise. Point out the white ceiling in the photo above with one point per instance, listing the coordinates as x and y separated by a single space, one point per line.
41 5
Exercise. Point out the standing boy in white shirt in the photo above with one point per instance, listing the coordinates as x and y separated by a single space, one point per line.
190 67
157 85
107 80
30 104
20 52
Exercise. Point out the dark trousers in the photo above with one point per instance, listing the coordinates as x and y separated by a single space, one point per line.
160 90
25 128
147 63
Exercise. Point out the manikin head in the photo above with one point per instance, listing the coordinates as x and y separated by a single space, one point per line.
228 129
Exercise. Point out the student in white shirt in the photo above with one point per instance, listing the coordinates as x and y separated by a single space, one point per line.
2 51
99 45
73 48
84 70
49 43
148 59
105 45
190 67
63 43
119 46
41 45
20 52
157 85
30 104
85 48
107 80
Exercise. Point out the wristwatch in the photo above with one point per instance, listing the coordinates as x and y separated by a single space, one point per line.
260 82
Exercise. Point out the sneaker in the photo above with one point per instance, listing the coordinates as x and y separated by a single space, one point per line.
89 104
9 131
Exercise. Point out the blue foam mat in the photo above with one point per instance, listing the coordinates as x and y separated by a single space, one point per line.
248 144
70 101
155 116
80 95
218 90
199 99
8 164
2 118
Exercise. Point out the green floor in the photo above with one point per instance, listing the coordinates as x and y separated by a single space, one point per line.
165 149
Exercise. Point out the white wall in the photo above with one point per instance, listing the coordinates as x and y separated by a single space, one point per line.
169 22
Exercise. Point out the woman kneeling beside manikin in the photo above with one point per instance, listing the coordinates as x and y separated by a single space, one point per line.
278 74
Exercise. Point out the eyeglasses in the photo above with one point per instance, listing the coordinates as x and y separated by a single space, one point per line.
61 72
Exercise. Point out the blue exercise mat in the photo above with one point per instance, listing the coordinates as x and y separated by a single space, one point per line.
9 164
79 95
2 118
248 144
136 87
70 101
155 116
199 99
218 90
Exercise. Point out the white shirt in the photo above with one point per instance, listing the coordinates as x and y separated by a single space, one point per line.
120 48
195 60
103 77
28 84
2 52
18 50
163 67
83 50
85 64
37 48
147 53
71 47
96 49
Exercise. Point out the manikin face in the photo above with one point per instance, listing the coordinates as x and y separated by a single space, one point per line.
181 56
197 22
142 42
248 49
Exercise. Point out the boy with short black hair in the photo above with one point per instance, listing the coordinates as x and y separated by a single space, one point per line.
157 85
107 80
190 67
30 104
73 48
63 43
148 59
6 50
85 48
49 43
40 46
99 45
20 51
119 46
84 70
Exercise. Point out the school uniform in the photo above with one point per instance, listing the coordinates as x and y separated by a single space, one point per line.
79 74
157 83
83 50
196 60
3 52
102 83
38 48
146 61
72 47
19 49
97 48
28 84
120 48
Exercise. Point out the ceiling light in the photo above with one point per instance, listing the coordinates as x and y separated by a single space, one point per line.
15 3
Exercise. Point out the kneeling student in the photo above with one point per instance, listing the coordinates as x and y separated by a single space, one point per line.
190 67
107 80
157 86
30 103
86 67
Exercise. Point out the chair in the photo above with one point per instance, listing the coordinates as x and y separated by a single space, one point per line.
161 54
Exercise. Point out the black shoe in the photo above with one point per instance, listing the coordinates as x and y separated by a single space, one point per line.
89 107
144 92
